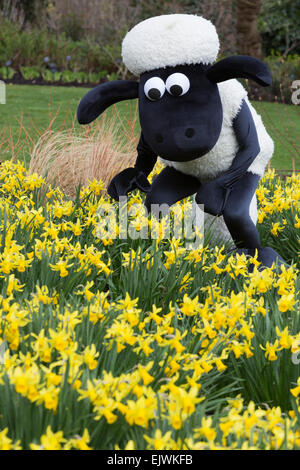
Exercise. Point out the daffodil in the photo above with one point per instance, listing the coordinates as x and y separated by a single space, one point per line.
296 390
6 443
271 350
159 441
50 441
90 356
286 302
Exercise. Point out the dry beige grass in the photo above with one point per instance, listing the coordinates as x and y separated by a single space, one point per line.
69 158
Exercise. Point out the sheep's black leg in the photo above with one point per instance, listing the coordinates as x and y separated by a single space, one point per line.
171 186
236 212
240 224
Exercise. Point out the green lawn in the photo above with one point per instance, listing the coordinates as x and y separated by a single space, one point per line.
283 124
30 104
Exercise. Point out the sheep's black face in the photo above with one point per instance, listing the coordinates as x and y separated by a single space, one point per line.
180 112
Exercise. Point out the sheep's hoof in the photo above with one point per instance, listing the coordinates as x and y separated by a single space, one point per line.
266 256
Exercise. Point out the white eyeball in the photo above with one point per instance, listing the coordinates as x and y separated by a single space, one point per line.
177 84
154 88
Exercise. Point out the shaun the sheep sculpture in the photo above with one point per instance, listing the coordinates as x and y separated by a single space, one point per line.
196 117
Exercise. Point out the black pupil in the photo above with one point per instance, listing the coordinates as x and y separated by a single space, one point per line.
154 94
176 90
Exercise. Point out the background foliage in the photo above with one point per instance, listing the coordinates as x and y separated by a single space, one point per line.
78 38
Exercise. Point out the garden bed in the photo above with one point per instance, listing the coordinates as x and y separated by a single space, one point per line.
143 344
19 80
255 93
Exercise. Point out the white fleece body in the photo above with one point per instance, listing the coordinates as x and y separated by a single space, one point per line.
220 158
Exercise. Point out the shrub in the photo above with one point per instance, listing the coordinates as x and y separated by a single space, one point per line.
40 48
284 71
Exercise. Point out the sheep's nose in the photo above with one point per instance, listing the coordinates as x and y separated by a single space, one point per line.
190 132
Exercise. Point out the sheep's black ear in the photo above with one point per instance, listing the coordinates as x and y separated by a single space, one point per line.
102 96
240 66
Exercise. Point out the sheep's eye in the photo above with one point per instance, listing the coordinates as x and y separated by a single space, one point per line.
177 84
154 88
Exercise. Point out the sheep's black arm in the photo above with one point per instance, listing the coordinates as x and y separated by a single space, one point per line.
133 178
247 138
146 158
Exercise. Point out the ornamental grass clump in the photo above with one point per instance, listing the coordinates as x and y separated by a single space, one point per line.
69 158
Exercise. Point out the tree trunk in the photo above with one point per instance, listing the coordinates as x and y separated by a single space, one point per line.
249 40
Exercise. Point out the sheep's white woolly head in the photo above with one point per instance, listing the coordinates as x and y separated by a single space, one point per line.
170 40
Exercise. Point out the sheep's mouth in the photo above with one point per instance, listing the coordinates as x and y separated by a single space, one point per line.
184 155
